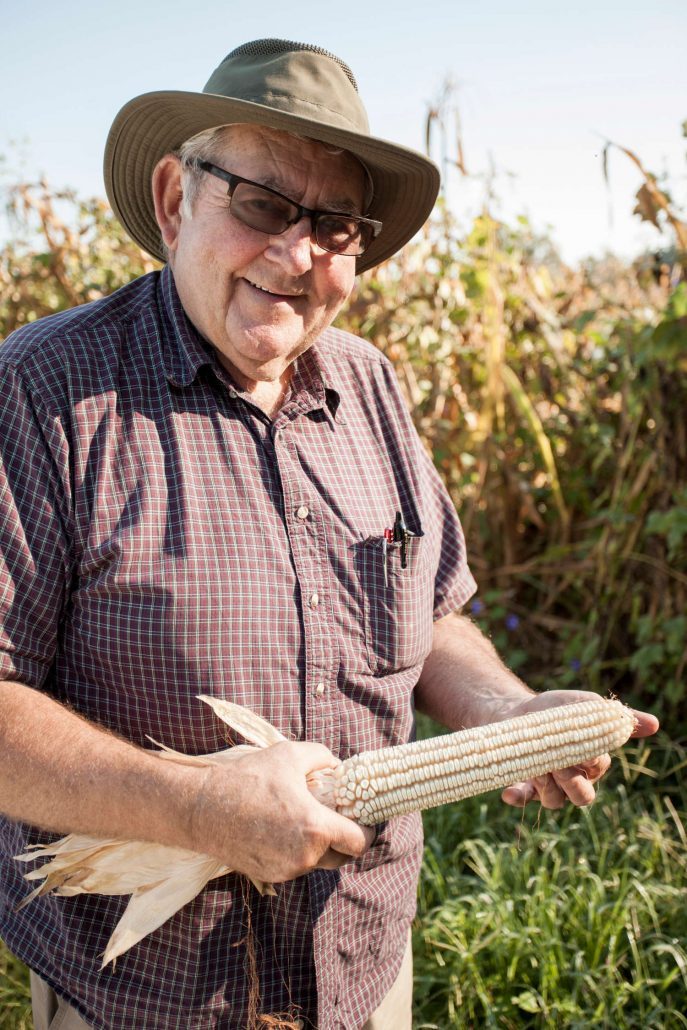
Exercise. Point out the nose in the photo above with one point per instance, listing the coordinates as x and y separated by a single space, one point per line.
293 248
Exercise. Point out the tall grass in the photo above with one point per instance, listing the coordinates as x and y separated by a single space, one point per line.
15 1003
574 919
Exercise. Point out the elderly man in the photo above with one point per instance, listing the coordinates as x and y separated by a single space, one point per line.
197 476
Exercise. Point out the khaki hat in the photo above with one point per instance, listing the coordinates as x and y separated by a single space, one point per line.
284 85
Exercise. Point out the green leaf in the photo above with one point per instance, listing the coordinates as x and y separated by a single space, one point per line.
582 320
677 304
647 658
528 1001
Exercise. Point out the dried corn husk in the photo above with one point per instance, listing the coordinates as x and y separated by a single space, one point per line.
160 879
370 788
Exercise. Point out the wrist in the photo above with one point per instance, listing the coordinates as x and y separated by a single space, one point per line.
209 817
510 703
171 799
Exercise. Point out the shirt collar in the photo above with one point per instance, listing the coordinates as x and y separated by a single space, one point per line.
183 349
313 385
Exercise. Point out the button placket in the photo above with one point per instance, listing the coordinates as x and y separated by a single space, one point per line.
305 541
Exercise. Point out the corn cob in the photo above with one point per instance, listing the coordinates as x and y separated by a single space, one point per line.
377 785
369 787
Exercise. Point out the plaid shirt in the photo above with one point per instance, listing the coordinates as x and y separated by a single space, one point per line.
160 537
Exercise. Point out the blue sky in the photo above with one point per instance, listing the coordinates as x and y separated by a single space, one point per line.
539 87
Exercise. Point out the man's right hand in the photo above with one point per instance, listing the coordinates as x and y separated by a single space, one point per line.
257 815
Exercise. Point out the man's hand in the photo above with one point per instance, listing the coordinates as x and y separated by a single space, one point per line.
465 683
257 815
575 784
254 813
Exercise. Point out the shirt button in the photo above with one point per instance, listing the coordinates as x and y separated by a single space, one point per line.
303 512
319 689
314 600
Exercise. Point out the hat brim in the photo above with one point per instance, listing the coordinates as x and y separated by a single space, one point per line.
405 182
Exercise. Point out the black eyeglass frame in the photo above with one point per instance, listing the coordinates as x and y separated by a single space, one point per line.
235 180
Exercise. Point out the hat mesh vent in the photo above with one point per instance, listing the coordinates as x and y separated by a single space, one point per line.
264 47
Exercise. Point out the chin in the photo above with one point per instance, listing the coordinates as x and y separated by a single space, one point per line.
270 358
257 369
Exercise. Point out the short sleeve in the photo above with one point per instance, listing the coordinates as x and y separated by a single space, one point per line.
34 536
454 583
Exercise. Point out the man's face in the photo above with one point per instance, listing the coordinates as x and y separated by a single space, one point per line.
262 300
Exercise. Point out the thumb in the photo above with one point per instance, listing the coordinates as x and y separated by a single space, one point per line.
348 837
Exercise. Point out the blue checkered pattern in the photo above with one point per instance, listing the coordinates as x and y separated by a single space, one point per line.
160 537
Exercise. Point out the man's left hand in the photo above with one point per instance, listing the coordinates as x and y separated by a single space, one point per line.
575 784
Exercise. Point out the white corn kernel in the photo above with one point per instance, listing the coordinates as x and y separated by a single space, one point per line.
427 773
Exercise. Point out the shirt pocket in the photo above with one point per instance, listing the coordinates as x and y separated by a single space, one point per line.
398 603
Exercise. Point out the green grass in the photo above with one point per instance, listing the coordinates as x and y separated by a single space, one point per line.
15 1004
574 919
569 919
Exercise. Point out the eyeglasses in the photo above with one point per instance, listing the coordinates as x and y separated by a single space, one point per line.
262 208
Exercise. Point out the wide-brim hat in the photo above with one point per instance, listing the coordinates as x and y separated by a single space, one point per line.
290 86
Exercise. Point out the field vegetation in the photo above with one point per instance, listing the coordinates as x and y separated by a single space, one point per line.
553 401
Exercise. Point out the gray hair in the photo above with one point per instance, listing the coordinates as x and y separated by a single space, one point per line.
204 146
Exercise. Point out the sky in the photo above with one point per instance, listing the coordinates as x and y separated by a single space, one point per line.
539 87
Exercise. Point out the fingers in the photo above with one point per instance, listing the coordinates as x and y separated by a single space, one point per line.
575 784
592 770
345 837
647 724
542 788
260 818
549 792
349 839
519 794
554 790
334 859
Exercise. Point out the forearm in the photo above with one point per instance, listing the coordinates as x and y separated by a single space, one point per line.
464 682
254 813
65 774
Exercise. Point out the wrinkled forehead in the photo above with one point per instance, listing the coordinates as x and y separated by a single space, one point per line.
273 153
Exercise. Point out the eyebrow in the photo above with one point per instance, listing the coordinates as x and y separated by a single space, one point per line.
340 205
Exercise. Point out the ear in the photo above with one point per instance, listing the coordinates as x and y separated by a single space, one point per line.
167 195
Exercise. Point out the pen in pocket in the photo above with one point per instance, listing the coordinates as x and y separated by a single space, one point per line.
398 534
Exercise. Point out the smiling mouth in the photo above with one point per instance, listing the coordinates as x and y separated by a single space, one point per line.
273 293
